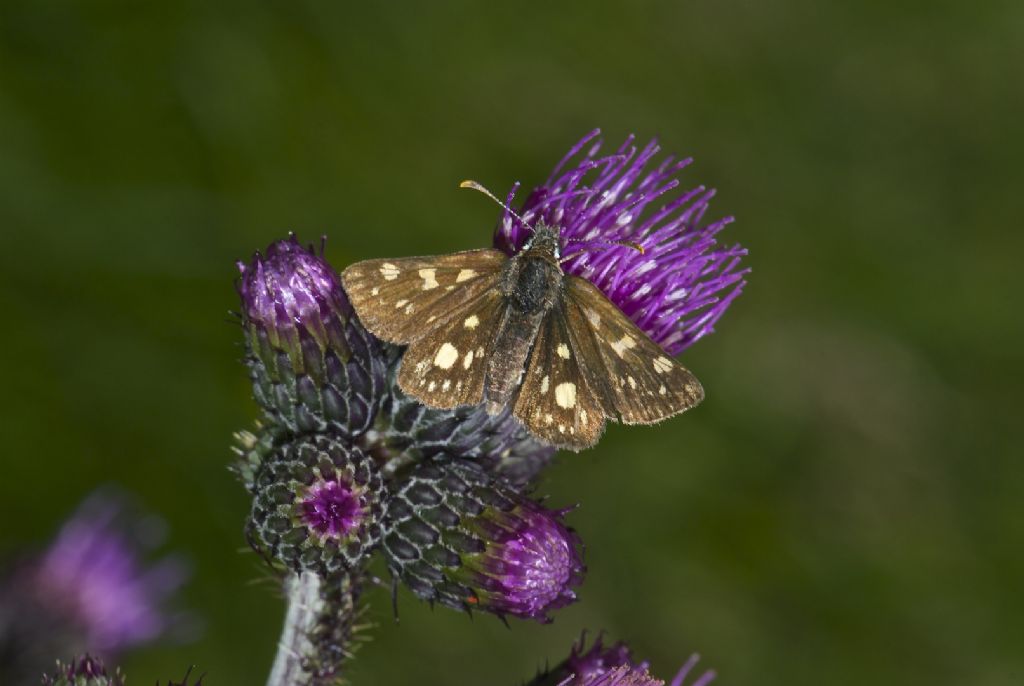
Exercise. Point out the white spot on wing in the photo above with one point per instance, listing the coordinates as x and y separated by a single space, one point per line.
563 351
446 356
400 304
468 360
662 365
632 383
464 274
446 385
472 321
565 395
389 271
429 281
544 384
374 291
623 344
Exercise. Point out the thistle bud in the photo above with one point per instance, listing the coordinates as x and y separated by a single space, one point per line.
613 666
82 671
459 536
312 363
317 505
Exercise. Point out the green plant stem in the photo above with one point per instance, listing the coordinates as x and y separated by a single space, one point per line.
305 605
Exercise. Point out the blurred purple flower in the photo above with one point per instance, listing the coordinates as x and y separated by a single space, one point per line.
682 280
93 574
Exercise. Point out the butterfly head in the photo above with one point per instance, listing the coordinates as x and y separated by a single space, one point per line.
544 243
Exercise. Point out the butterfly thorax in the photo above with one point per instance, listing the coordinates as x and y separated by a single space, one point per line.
532 278
532 282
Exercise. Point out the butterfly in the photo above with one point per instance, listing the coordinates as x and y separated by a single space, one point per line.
482 327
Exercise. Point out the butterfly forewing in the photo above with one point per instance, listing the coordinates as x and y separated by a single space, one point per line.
639 383
556 401
401 300
446 367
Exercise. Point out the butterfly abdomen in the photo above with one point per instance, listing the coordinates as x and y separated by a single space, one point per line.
531 284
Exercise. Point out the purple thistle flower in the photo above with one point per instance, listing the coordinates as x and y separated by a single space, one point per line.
613 666
94 575
681 282
530 564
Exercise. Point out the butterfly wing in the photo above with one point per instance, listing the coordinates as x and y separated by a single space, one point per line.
402 300
446 367
632 376
558 402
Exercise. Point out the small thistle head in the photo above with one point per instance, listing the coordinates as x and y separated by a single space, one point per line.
613 666
456 535
317 505
293 293
313 365
84 670
530 563
662 267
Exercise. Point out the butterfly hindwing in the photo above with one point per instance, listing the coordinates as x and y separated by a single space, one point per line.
446 367
556 401
638 382
401 300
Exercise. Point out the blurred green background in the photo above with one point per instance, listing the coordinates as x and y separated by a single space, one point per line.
846 506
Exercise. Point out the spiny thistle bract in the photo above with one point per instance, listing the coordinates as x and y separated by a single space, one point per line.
84 670
314 367
458 536
317 505
409 432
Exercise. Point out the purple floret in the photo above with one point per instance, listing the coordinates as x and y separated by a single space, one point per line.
332 509
681 282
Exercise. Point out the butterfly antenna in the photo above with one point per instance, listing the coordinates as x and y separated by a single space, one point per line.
477 187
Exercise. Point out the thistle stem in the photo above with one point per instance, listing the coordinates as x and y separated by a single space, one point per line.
318 626
305 603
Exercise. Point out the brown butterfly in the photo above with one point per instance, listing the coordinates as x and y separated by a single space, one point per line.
483 327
